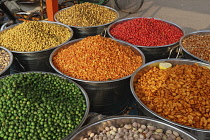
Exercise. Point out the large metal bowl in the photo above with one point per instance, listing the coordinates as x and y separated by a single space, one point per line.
200 133
151 52
36 60
7 68
186 53
82 90
118 121
106 97
81 32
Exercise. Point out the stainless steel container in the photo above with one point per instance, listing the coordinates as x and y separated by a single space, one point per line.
106 97
81 32
118 121
151 52
201 134
186 53
85 116
36 60
7 69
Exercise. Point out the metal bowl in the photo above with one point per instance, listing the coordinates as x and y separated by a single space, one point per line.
186 53
7 68
81 32
200 133
106 97
36 60
118 121
151 52
82 90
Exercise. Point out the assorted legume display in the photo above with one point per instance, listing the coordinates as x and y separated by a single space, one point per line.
180 94
146 32
32 36
4 59
39 106
198 45
86 14
97 58
134 131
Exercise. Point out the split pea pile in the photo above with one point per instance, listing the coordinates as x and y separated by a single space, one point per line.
97 58
134 131
4 59
86 14
32 36
180 94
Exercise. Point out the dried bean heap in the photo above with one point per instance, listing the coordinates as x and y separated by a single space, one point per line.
198 45
4 59
134 131
34 36
86 14
146 32
180 94
97 58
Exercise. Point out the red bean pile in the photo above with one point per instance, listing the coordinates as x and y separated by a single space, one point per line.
146 32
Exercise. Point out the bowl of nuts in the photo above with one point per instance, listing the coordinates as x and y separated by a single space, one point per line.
6 59
176 91
196 45
131 127
87 19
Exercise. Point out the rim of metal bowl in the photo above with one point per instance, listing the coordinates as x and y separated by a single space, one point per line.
136 117
154 113
193 33
51 22
76 40
55 17
149 47
61 76
10 61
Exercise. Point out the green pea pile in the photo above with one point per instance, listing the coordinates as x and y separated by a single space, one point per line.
39 106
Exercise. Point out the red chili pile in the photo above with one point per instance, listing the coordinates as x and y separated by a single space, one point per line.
146 32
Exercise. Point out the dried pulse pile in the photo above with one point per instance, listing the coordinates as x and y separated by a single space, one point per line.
34 36
97 58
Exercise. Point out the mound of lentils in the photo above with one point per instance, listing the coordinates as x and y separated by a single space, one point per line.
39 106
134 131
97 58
32 36
198 45
4 59
86 14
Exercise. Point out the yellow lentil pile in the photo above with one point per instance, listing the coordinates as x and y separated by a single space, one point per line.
34 36
97 58
180 94
86 14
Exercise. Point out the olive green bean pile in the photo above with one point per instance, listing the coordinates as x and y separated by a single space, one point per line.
86 14
39 106
34 36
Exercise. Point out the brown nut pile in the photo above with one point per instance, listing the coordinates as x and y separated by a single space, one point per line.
86 14
198 45
32 36
97 58
180 94
4 59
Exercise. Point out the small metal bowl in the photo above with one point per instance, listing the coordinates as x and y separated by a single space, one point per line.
201 134
6 70
186 53
118 121
151 52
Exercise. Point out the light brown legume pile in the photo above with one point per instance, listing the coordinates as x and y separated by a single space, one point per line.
34 36
97 58
4 59
86 14
198 45
180 94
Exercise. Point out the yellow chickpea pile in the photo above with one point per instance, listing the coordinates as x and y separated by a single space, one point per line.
180 94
